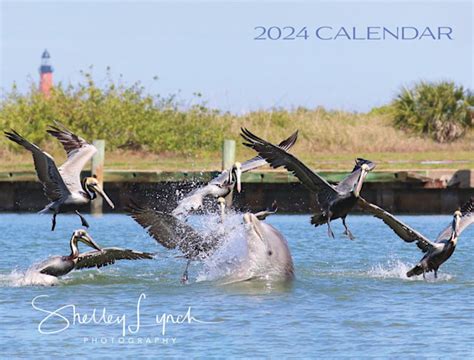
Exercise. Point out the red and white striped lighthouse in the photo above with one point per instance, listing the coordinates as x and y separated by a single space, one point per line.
46 74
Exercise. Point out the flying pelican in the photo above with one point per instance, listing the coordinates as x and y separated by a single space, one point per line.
173 233
223 185
333 201
63 186
437 252
61 265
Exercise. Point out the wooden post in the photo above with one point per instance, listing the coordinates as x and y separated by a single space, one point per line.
228 160
228 154
98 170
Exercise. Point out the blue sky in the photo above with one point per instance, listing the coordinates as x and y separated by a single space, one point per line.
208 47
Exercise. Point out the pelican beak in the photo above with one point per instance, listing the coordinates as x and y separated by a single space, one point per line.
238 176
86 239
456 221
363 173
101 192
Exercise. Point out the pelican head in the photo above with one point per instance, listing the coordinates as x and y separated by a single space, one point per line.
221 202
91 185
455 224
82 236
365 167
360 162
237 172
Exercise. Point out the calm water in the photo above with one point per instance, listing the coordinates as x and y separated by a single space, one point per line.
348 299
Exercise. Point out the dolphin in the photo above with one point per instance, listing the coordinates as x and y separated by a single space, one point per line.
269 255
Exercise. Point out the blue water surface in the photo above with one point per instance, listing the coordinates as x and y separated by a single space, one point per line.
349 298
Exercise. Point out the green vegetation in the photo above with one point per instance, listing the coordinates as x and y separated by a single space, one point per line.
145 131
125 115
441 110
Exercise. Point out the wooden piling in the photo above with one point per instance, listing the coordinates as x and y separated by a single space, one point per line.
228 154
97 170
228 160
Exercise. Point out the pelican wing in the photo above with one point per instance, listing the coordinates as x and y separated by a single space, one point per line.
48 174
277 157
467 218
219 179
405 232
78 151
108 256
193 200
171 232
256 161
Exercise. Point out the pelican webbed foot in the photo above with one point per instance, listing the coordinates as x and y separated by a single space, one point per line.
436 274
83 220
349 234
347 231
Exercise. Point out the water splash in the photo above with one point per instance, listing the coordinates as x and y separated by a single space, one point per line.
231 262
30 277
396 269
227 260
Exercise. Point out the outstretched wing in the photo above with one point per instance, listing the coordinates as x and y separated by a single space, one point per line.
277 157
467 218
405 232
258 161
48 174
108 256
78 151
193 200
171 232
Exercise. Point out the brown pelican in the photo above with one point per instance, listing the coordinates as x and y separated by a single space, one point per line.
437 252
63 186
223 185
61 265
173 233
333 201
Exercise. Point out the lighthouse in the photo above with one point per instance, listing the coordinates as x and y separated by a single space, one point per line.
46 74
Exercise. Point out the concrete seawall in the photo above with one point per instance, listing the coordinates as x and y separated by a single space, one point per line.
435 192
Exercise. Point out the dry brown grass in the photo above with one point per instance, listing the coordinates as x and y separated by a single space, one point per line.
327 140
